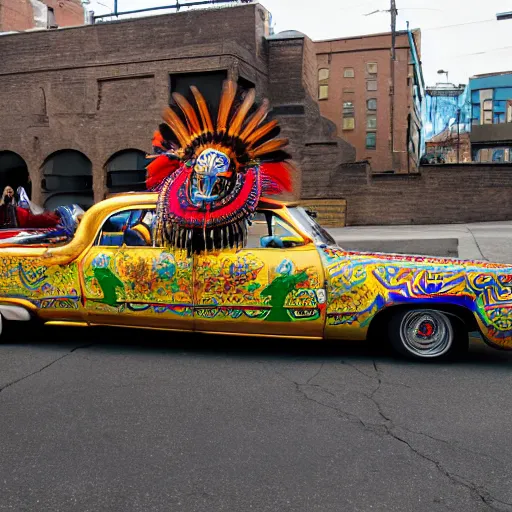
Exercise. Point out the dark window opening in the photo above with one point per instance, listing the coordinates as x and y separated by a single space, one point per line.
67 179
51 21
126 171
14 172
208 83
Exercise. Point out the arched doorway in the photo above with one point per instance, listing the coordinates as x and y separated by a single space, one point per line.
126 171
67 179
14 172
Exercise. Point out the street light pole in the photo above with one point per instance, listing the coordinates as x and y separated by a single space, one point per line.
458 135
504 16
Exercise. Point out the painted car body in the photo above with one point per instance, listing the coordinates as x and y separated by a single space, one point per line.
303 285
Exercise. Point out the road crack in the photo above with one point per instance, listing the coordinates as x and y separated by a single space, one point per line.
388 428
12 383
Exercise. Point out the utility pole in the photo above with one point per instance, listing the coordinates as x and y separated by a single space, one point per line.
394 12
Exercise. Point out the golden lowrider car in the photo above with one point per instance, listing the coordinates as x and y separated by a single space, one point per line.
289 280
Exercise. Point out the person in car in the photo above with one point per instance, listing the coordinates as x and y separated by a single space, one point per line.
13 216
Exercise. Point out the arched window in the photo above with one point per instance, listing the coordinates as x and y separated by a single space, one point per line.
67 179
323 83
126 171
13 172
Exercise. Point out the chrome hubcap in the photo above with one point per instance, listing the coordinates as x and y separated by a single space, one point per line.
426 333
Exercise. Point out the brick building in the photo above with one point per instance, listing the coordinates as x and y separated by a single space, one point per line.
78 106
18 15
374 101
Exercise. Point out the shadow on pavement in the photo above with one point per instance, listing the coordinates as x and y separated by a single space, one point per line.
115 340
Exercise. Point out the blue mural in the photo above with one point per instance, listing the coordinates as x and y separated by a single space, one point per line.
443 110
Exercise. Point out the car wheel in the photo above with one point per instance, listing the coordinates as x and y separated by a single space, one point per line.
427 334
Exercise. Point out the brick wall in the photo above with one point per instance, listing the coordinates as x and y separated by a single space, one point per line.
19 14
356 52
292 86
15 15
100 89
437 195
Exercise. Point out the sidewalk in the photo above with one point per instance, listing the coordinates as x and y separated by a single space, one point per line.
490 241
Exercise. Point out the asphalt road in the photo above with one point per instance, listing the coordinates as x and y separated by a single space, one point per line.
91 423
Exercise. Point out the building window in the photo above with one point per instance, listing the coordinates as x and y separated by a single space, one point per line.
348 73
126 171
208 82
371 122
371 140
371 104
371 67
371 85
487 112
50 20
484 155
323 92
349 120
323 84
349 123
323 74
509 111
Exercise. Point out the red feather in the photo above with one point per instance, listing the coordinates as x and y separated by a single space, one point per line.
276 177
158 140
159 169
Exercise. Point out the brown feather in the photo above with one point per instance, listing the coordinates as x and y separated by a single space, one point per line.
269 146
238 118
203 109
260 132
255 120
189 112
177 126
226 101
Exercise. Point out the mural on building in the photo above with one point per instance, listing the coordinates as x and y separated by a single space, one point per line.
446 124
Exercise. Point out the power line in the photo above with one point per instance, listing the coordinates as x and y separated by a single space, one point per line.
458 25
485 51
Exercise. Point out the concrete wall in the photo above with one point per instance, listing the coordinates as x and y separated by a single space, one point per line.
436 195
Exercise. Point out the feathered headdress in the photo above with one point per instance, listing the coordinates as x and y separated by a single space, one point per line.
209 175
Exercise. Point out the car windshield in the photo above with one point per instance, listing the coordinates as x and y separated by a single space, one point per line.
311 227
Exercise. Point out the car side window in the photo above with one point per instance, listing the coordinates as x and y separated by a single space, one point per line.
267 230
132 227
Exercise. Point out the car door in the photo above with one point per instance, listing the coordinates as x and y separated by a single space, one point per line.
127 280
275 285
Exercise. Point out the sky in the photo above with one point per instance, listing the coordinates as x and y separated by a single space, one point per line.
462 37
